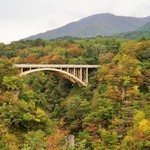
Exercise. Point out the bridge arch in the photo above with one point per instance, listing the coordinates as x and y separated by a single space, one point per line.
69 76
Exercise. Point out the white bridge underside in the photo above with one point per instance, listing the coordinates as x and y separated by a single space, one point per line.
75 73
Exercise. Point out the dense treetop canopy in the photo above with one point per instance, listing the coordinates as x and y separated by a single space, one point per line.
41 110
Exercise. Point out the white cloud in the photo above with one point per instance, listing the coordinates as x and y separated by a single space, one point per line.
137 8
22 18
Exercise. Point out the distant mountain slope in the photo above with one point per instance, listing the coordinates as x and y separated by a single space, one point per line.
133 35
143 31
146 27
100 24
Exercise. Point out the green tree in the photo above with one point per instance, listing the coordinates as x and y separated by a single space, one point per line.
12 82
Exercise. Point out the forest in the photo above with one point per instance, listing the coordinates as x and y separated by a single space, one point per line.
40 111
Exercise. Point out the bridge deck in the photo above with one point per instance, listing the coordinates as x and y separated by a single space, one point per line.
55 66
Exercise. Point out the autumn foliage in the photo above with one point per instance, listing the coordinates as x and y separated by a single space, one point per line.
40 110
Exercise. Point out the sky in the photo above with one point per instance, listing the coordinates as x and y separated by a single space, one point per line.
22 18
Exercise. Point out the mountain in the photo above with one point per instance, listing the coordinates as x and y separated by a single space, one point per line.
101 24
143 31
146 27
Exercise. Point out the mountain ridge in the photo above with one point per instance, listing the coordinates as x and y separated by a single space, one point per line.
104 24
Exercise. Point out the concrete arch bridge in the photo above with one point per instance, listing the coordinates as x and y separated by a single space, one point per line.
75 73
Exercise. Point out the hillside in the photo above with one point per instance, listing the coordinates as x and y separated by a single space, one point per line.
133 35
100 24
145 27
143 31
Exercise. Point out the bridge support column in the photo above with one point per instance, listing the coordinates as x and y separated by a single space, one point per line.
86 78
80 74
74 71
21 70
